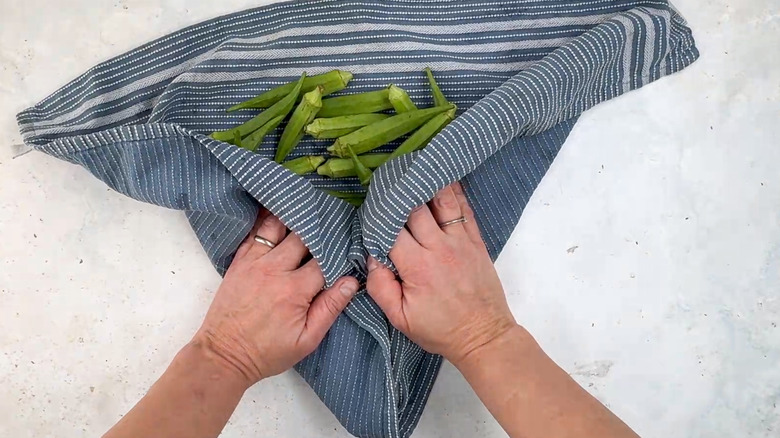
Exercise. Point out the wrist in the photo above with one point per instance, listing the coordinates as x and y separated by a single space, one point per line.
202 354
511 337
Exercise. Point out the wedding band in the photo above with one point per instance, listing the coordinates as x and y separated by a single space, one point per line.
460 220
264 241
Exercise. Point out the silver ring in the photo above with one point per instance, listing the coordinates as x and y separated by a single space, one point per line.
460 220
264 241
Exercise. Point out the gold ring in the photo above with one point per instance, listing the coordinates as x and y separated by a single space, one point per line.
460 220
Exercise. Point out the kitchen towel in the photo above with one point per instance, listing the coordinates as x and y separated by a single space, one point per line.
520 71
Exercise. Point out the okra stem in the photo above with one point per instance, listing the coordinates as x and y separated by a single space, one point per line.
362 103
400 100
236 139
256 138
355 199
331 82
304 165
420 138
363 172
336 127
280 108
438 96
380 133
303 115
344 167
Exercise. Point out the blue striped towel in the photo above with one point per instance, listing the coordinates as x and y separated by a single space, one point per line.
521 71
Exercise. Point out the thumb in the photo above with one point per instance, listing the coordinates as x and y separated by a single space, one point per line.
387 292
326 307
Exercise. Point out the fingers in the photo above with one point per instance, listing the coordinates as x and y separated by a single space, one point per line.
385 289
309 278
472 229
326 308
445 208
405 250
268 227
289 254
249 239
423 226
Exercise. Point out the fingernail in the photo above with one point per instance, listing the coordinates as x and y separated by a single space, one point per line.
349 288
372 264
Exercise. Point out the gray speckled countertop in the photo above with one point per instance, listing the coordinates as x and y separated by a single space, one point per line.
647 263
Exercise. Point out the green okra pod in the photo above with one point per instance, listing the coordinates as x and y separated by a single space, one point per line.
236 139
420 138
438 96
303 115
304 165
280 108
363 172
336 127
344 167
331 82
361 103
400 100
355 199
254 139
380 133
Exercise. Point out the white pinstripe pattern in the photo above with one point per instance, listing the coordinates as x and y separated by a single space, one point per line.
521 71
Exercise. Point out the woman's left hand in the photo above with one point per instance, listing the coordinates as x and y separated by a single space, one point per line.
270 311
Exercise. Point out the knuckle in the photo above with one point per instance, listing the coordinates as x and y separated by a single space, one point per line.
445 201
466 208
463 201
269 265
331 305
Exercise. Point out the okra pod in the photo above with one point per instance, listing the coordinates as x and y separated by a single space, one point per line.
304 165
344 167
438 96
280 108
236 139
380 133
355 199
336 127
331 82
253 141
400 100
362 103
303 115
363 172
420 138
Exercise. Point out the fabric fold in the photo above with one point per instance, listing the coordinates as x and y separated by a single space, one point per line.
598 65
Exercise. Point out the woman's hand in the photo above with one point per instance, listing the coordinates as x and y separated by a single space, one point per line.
449 300
269 313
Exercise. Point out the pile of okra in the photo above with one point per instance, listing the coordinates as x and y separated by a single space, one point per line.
358 124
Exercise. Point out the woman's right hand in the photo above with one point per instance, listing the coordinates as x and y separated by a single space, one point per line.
449 299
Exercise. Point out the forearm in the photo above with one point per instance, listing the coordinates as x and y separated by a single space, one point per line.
531 396
194 398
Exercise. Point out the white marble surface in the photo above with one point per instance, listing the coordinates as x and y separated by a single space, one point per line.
647 263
